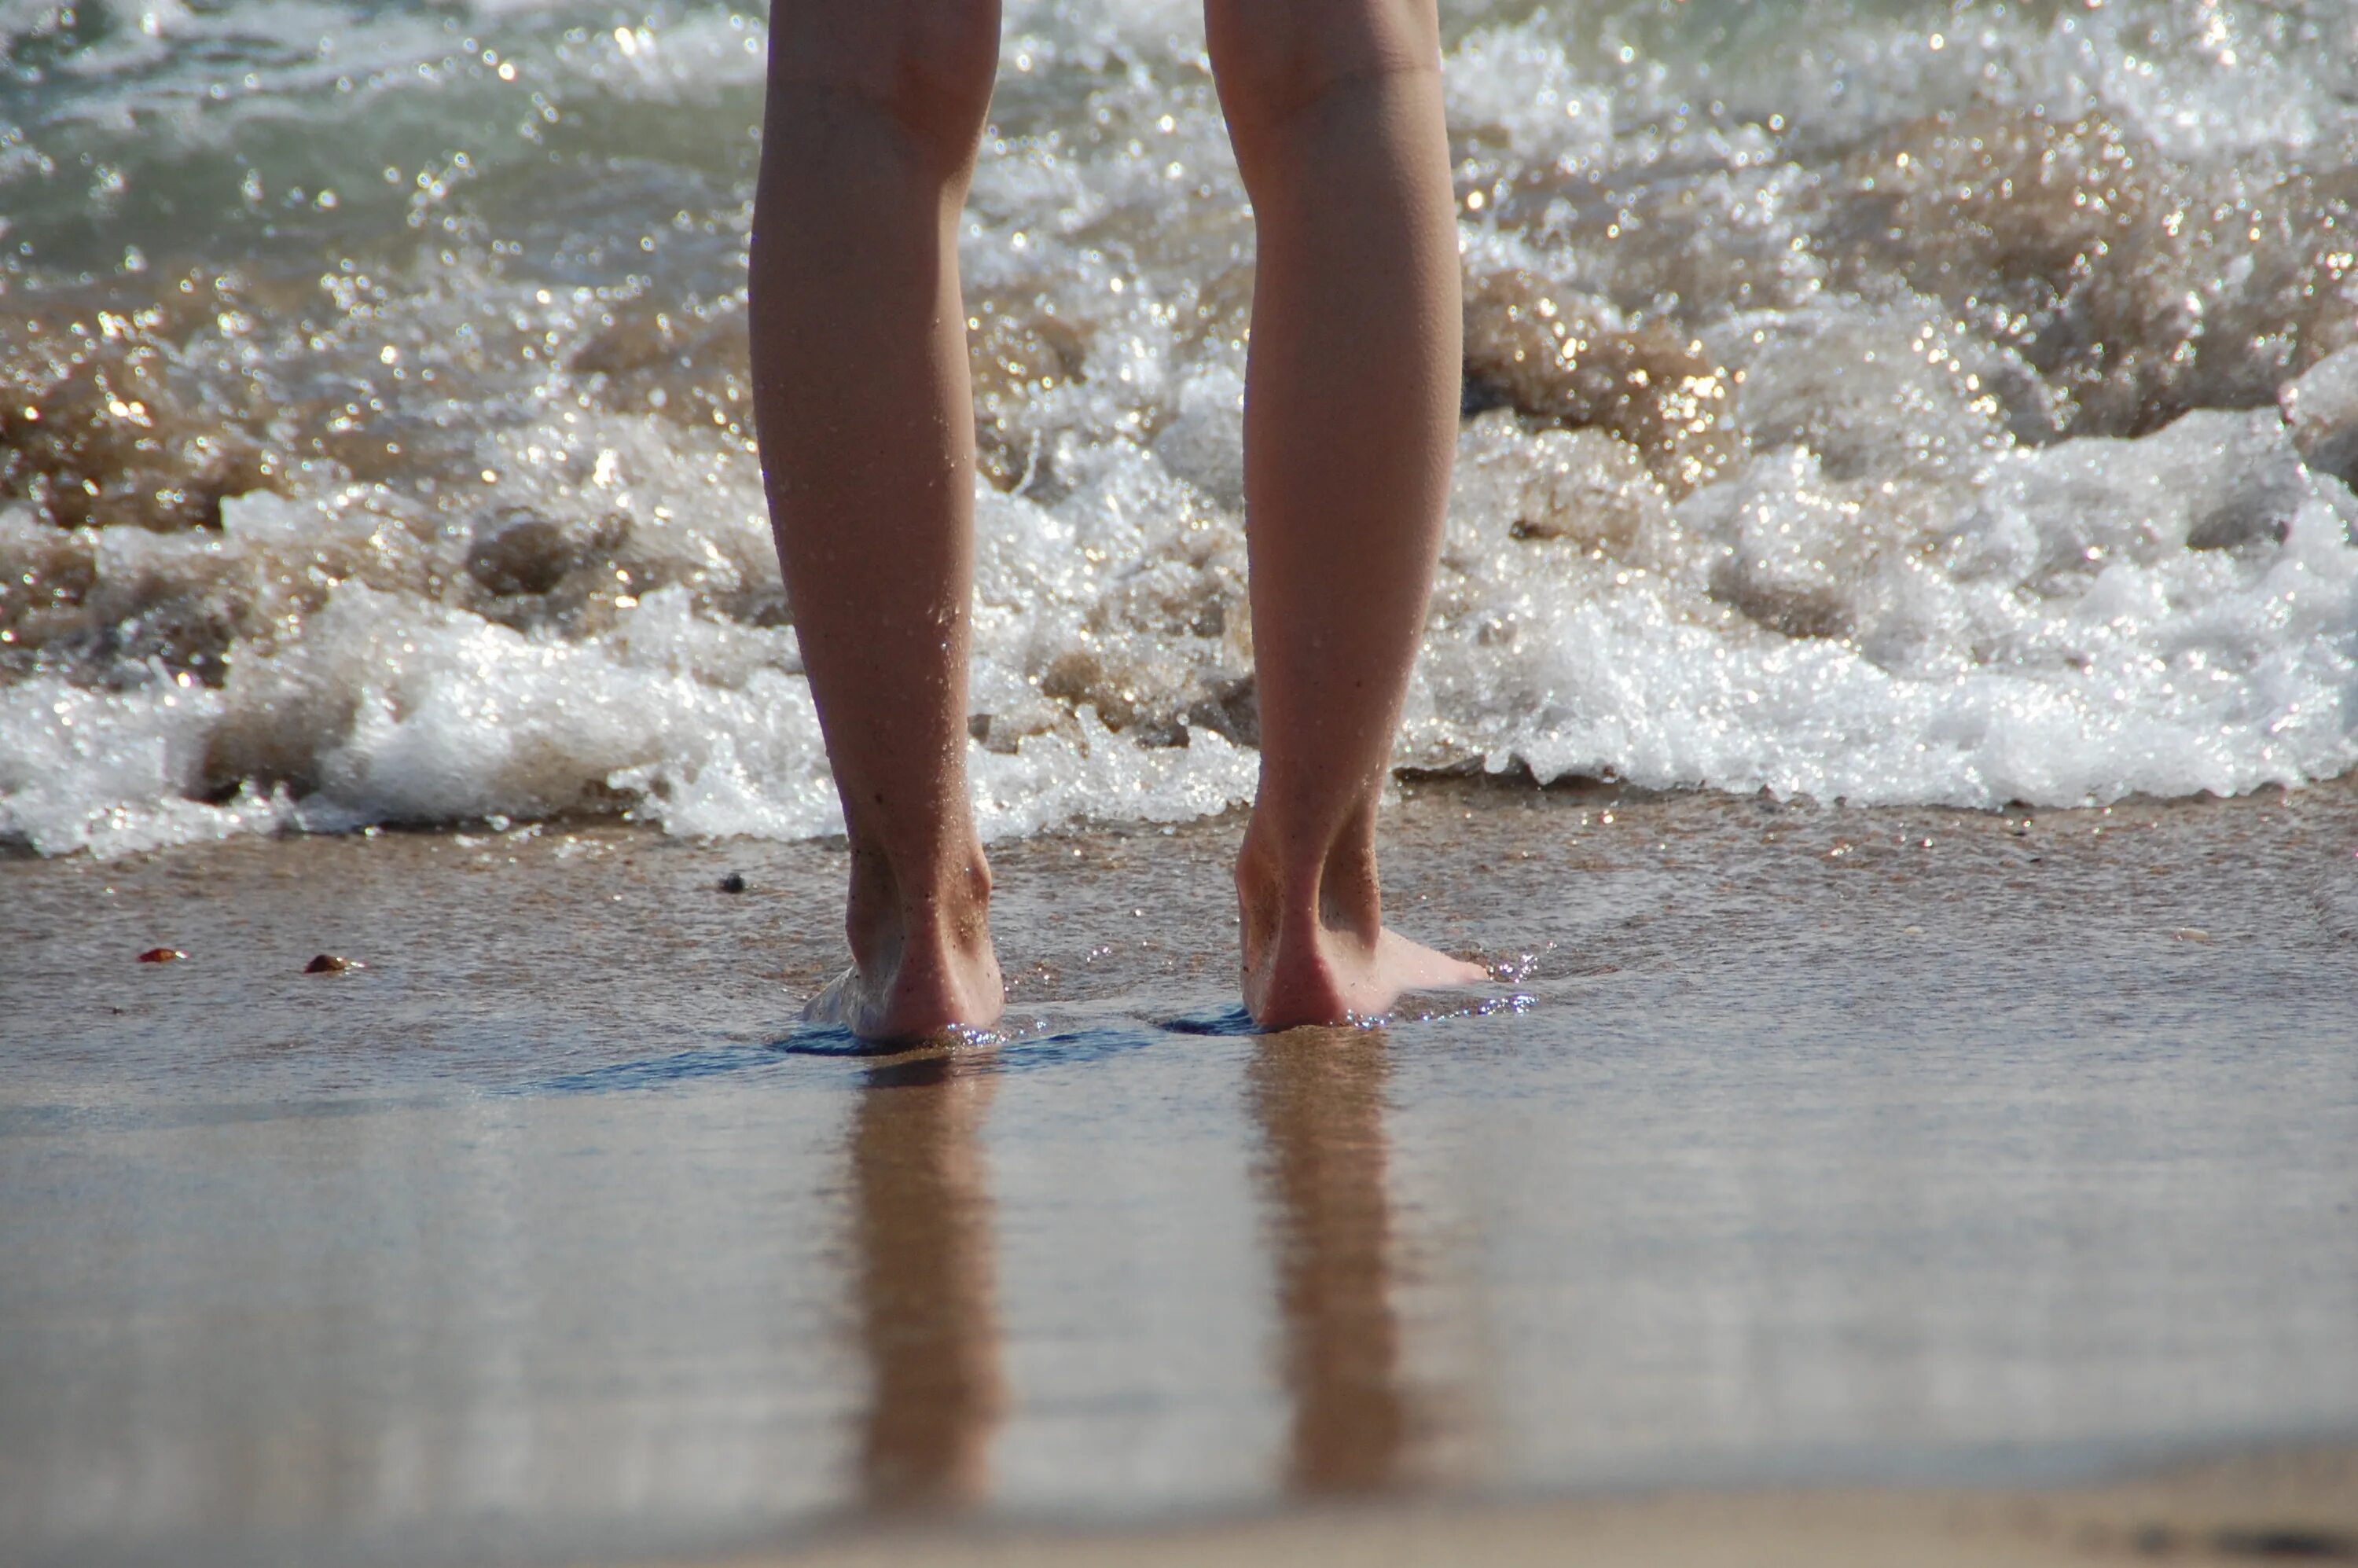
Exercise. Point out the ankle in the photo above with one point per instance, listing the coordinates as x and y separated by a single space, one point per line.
930 911
922 958
1292 884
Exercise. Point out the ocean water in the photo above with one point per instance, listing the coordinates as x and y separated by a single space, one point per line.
1892 402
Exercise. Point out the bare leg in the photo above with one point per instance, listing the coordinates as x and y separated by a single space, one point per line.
1350 422
867 431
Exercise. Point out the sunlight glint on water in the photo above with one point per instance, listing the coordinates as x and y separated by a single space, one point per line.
1865 401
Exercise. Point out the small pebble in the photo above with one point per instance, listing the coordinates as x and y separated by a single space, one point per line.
329 964
162 955
734 883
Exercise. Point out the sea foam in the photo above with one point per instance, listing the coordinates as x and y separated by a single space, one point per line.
1952 406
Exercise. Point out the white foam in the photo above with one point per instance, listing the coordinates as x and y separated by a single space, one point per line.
2052 639
1526 85
1884 598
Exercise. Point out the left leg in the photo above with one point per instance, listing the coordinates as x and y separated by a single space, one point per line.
867 431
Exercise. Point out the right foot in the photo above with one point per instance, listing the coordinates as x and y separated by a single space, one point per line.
1334 978
1306 956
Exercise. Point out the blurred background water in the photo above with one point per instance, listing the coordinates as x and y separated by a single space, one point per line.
1897 402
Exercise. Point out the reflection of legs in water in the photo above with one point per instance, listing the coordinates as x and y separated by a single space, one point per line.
867 430
1319 1100
926 1315
1350 421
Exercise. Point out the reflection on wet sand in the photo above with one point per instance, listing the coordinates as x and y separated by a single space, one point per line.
1318 1096
927 1319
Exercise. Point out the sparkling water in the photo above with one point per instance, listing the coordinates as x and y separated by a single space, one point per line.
1900 402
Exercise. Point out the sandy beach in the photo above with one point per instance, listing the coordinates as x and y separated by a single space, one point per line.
1819 1181
2275 1508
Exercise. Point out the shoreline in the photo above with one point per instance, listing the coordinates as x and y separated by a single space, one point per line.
1513 787
558 930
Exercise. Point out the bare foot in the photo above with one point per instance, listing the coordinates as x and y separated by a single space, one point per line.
922 961
1334 978
952 995
1315 947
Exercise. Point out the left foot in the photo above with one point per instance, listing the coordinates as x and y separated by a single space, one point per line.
954 995
923 964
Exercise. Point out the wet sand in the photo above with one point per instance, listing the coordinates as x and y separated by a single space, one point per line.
1822 1182
2295 1506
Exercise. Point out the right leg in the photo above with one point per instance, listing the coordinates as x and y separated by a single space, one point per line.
1350 421
866 421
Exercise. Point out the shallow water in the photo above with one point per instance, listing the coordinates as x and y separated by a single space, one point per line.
1905 403
1820 1144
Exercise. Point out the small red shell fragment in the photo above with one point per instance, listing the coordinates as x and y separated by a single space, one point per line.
162 955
